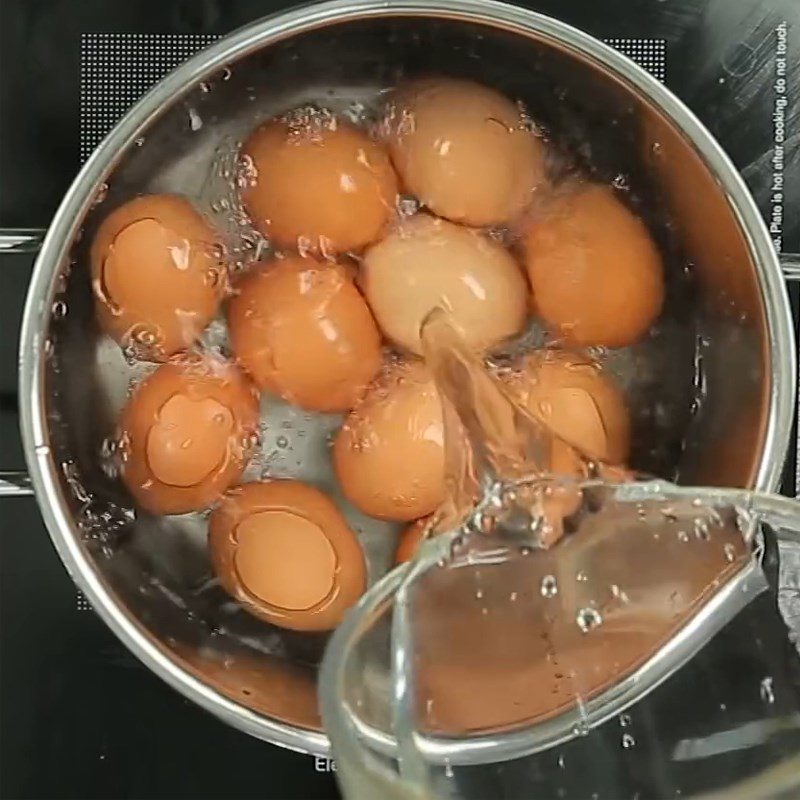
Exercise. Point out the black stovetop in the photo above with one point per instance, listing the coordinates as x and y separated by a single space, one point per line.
79 716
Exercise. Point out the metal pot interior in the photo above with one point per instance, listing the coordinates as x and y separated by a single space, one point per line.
698 386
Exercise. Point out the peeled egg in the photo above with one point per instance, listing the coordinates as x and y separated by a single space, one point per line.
302 330
576 401
318 183
157 274
389 453
465 150
410 540
284 551
595 273
187 434
428 263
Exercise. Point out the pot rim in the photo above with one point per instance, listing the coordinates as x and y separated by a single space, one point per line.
78 200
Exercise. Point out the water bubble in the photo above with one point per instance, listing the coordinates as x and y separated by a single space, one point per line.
580 728
448 769
48 348
628 741
619 594
282 442
588 618
226 73
549 586
657 148
766 690
59 309
581 577
407 206
100 195
730 553
195 120
620 182
624 720
212 277
561 762
205 87
139 142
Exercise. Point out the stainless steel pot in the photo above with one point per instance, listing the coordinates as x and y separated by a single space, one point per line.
727 326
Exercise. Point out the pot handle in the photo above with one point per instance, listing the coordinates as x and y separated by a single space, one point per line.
790 263
21 240
15 484
25 241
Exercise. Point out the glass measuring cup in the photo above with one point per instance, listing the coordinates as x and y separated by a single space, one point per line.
492 668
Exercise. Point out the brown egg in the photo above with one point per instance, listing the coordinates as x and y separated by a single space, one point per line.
285 552
578 402
187 433
157 275
319 184
303 331
595 273
428 263
389 453
463 149
410 540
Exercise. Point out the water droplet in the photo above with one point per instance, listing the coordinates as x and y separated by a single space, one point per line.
448 769
205 87
561 762
282 442
581 577
226 73
624 720
42 450
588 618
730 553
549 587
657 148
48 348
59 309
139 142
628 741
766 690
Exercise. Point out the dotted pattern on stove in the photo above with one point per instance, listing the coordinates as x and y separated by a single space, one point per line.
116 69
